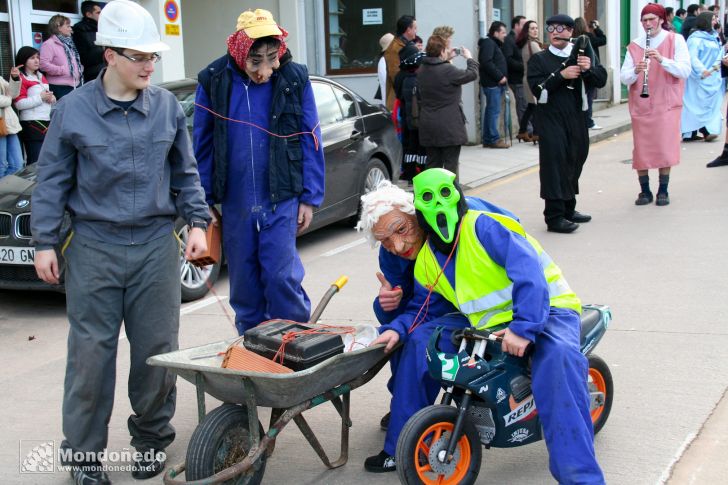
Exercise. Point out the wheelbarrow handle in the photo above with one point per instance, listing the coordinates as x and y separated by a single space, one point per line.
333 289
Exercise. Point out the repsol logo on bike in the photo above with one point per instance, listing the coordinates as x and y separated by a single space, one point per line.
526 409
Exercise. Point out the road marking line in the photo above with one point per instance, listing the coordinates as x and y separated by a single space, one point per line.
345 247
201 304
680 452
191 308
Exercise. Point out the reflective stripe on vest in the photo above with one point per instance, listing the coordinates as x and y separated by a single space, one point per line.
483 290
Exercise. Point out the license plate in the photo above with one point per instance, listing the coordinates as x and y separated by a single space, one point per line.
15 255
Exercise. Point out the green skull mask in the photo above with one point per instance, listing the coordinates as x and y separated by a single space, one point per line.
436 197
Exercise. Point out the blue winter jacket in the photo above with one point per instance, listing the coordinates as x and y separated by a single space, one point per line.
296 167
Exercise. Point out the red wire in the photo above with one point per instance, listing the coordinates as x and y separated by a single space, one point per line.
312 132
426 304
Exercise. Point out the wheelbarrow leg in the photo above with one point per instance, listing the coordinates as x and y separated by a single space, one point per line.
340 409
313 441
275 414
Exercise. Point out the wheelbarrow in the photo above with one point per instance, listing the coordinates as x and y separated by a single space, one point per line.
229 444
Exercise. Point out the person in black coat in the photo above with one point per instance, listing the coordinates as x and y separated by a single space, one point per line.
514 60
493 79
405 88
84 36
561 120
689 22
442 120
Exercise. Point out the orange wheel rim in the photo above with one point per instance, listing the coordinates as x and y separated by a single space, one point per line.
422 450
601 386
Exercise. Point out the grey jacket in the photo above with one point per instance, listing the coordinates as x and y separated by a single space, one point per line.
442 121
123 176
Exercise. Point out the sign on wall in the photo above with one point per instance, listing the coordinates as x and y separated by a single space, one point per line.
171 10
372 16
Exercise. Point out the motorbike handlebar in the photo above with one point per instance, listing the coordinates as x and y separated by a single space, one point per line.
473 334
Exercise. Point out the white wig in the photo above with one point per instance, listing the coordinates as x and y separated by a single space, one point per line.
380 201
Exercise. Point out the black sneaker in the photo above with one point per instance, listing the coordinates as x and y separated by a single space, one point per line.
662 198
381 463
384 423
144 468
89 475
644 198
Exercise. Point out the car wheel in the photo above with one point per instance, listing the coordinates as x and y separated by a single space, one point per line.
375 173
195 281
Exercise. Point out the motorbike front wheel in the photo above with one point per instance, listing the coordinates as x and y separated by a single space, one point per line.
423 443
601 390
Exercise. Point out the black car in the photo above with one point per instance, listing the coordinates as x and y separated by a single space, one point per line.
361 150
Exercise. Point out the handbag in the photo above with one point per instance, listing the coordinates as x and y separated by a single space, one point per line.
214 242
3 125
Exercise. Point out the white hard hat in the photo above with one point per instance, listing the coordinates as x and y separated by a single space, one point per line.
127 25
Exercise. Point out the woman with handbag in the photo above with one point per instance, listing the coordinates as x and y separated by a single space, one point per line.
11 156
33 102
59 58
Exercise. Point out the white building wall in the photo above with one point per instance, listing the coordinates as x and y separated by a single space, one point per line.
207 26
172 65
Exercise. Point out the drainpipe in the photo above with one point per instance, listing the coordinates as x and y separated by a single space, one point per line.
482 29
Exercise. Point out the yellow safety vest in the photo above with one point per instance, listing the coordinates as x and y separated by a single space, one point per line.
484 293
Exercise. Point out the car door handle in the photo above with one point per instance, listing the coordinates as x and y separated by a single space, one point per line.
356 135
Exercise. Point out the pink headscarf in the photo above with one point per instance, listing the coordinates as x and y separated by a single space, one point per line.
239 45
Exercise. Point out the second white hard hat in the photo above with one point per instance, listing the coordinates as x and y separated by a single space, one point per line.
127 25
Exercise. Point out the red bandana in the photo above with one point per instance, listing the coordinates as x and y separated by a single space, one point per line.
239 45
655 9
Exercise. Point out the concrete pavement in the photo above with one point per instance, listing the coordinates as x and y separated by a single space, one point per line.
701 459
478 165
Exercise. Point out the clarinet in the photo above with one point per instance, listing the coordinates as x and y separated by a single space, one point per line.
645 87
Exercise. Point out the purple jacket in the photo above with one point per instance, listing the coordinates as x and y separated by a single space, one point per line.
54 63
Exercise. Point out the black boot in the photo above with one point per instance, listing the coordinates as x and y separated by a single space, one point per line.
662 197
722 160
645 197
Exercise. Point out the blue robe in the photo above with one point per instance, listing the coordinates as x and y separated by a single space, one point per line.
703 98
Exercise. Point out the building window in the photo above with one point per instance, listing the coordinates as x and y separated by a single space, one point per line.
353 29
3 6
62 6
551 8
503 11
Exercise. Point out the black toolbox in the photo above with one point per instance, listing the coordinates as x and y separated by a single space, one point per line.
305 351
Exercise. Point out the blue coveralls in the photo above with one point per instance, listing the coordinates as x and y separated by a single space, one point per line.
411 386
559 370
259 237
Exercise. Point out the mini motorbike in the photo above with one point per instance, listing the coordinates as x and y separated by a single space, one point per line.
493 404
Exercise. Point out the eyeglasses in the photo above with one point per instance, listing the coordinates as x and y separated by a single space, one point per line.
154 58
557 28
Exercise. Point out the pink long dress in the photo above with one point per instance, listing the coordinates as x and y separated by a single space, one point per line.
656 120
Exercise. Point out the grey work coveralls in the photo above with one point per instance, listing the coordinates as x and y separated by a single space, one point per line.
124 176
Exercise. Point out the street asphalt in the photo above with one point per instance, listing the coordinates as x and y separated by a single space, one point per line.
661 269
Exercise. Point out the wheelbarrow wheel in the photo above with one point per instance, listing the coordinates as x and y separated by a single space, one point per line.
425 436
221 440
